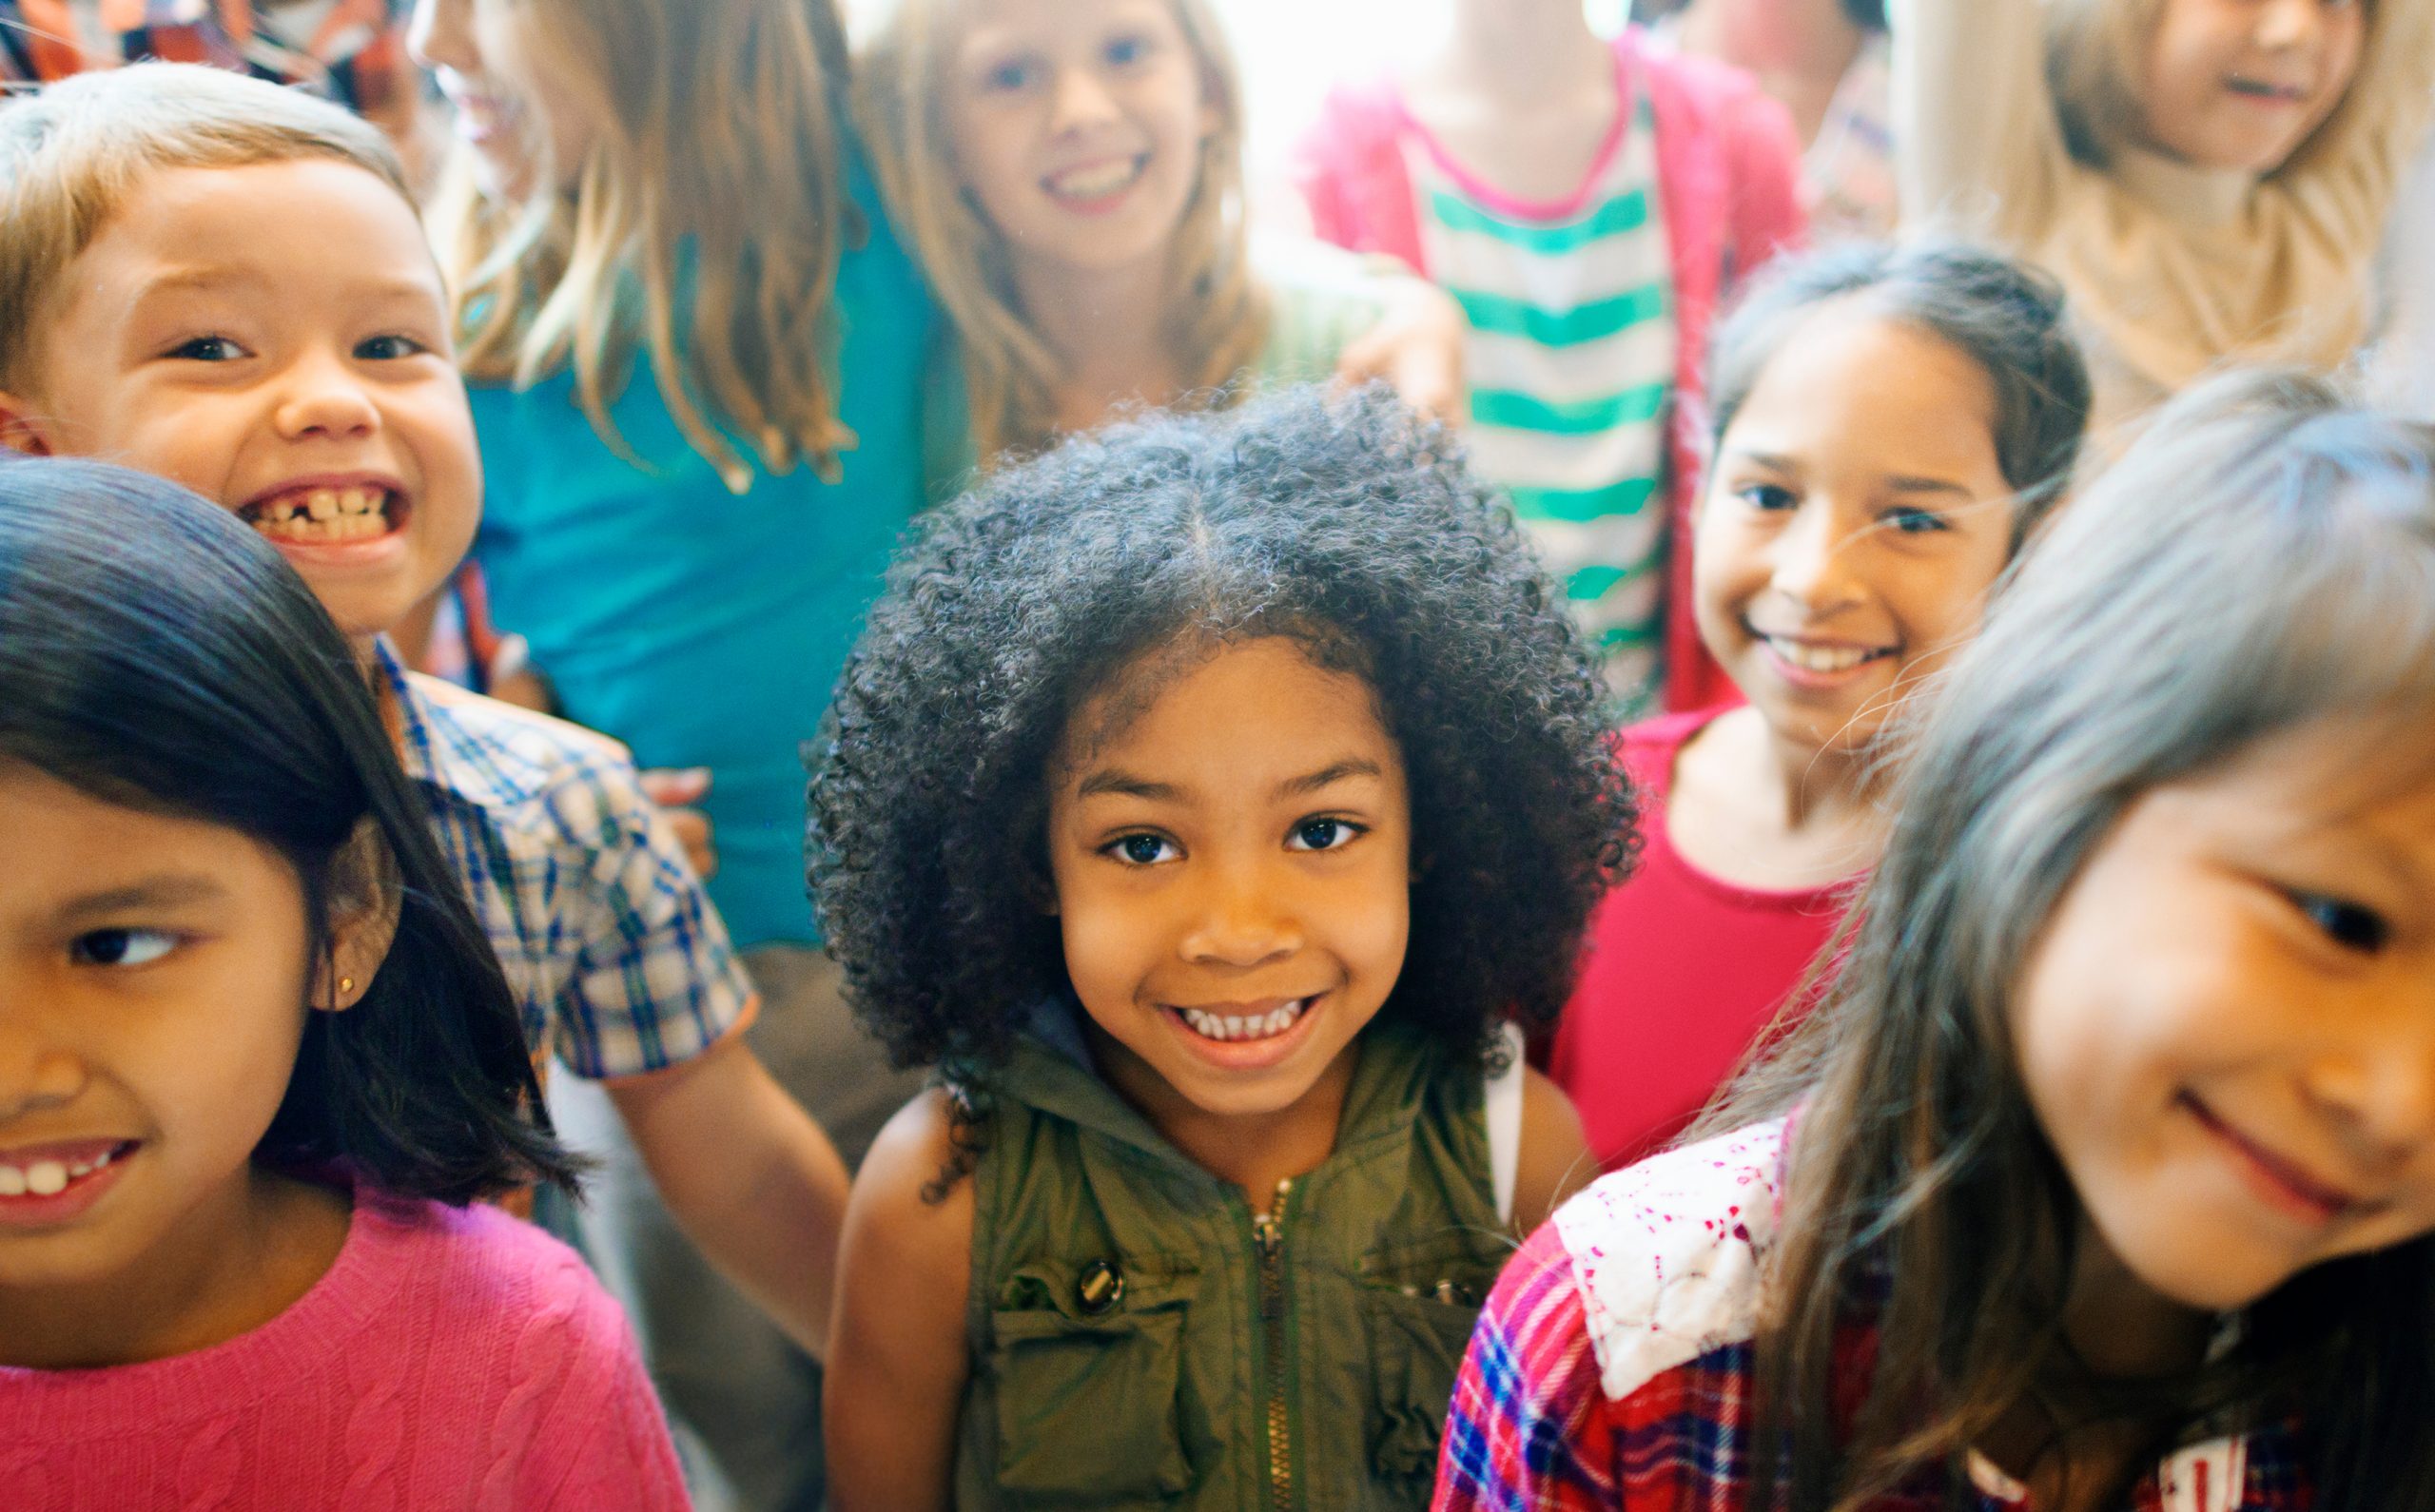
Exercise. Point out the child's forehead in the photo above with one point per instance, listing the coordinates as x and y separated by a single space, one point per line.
306 215
1191 691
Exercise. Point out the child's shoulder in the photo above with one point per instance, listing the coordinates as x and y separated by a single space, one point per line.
518 766
477 1268
530 751
1666 1254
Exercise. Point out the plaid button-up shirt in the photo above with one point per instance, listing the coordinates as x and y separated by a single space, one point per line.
1612 1368
617 959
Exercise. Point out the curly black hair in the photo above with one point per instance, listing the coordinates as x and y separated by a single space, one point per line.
1343 523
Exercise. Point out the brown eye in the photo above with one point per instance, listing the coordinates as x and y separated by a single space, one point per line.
120 947
2346 923
1139 850
1323 834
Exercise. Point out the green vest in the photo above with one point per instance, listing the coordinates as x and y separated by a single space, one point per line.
1139 1341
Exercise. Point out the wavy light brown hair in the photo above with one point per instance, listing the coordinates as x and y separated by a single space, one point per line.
2262 560
1219 318
2096 56
702 230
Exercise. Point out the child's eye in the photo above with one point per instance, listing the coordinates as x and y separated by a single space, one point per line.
2347 925
1323 834
1124 52
1916 521
390 348
1139 850
1010 76
121 947
1769 497
207 349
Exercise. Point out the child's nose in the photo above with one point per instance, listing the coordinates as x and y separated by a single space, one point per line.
322 398
36 1071
439 35
2383 1092
1811 558
1082 100
2282 24
1239 919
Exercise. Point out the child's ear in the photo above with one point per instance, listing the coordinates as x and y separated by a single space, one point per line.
365 901
22 428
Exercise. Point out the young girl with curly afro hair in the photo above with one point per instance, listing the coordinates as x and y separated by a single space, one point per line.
1206 800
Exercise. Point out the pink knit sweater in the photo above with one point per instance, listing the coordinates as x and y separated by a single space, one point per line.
450 1359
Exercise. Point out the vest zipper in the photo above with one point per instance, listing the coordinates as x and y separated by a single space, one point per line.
1267 1236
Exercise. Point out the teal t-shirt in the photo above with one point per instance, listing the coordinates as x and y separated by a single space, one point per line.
703 628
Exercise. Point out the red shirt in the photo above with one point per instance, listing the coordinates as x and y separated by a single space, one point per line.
1682 972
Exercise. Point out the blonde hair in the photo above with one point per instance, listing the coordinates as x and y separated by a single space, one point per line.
702 229
2097 63
72 154
1218 317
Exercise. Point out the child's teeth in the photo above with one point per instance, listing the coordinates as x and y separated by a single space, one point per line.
1820 658
1229 1026
12 1182
45 1179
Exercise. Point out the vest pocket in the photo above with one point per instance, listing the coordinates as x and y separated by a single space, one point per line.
1089 1408
1418 1306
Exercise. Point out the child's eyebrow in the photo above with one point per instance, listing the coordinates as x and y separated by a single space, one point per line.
1926 485
167 890
1329 776
202 279
1770 460
1108 779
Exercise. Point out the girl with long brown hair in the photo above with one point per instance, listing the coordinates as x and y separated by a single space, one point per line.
2105 1175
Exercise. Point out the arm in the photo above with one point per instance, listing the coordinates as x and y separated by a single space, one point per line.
748 1177
1415 347
1527 1431
1555 1155
898 1359
1979 147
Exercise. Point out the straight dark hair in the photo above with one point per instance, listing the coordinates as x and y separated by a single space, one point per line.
2262 560
2008 318
157 654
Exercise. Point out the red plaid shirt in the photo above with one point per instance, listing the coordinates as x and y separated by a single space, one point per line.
1613 1366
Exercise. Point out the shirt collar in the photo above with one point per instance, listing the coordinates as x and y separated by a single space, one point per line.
449 756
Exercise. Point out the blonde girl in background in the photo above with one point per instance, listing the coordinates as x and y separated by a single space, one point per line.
1071 173
694 353
2211 179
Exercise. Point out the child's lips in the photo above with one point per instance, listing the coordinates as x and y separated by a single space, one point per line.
2266 91
48 1183
2293 1189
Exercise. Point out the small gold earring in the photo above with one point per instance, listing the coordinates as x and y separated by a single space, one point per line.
346 984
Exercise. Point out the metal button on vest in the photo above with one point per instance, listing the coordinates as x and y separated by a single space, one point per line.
1099 1288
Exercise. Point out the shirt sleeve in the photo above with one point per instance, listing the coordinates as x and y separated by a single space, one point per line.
653 981
1529 1430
